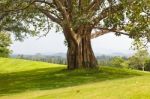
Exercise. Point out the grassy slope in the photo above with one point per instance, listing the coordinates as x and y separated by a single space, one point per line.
20 79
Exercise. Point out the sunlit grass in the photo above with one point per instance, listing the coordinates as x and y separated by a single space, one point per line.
18 65
21 79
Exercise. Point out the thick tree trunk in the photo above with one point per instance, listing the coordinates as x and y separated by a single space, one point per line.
81 55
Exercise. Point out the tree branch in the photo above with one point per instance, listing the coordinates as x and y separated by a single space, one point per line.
62 10
98 33
3 16
107 12
93 6
106 31
54 19
66 21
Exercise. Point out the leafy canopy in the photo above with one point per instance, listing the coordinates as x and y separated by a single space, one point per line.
128 17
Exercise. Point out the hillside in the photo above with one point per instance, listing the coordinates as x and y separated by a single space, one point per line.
22 79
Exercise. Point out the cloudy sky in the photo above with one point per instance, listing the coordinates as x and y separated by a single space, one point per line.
54 43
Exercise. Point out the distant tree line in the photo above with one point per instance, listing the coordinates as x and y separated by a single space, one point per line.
44 58
140 60
107 60
102 60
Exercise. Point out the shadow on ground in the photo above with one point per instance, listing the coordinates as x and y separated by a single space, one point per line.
52 78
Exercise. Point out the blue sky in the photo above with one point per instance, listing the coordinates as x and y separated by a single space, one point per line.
54 42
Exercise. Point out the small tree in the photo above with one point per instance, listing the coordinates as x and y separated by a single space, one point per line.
138 60
125 64
5 42
117 62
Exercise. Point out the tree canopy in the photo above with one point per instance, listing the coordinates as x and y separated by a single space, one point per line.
130 16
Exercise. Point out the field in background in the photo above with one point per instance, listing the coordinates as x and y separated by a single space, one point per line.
22 79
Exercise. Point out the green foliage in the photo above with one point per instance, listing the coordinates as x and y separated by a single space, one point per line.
5 42
125 64
117 62
138 60
139 19
147 65
23 17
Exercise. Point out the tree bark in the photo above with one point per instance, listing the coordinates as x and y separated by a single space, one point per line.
81 55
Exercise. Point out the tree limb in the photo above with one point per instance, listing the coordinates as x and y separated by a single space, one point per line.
54 19
66 21
106 12
106 31
93 6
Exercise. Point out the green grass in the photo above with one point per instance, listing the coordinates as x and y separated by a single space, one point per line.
21 79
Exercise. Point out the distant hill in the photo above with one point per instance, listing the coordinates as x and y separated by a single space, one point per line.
63 55
97 54
59 54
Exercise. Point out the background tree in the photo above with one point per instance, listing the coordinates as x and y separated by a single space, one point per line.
5 42
138 60
147 65
80 21
117 62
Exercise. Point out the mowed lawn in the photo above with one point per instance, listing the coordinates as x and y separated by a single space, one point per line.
22 79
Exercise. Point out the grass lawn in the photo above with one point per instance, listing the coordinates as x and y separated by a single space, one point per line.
21 79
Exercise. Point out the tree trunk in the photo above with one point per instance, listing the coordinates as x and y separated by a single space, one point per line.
143 68
81 55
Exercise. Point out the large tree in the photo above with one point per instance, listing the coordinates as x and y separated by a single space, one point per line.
80 21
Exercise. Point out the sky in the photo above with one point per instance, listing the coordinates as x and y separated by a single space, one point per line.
54 43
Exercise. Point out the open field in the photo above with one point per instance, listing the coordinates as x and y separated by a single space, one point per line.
21 79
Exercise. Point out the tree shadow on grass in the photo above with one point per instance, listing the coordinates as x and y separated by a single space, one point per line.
52 78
